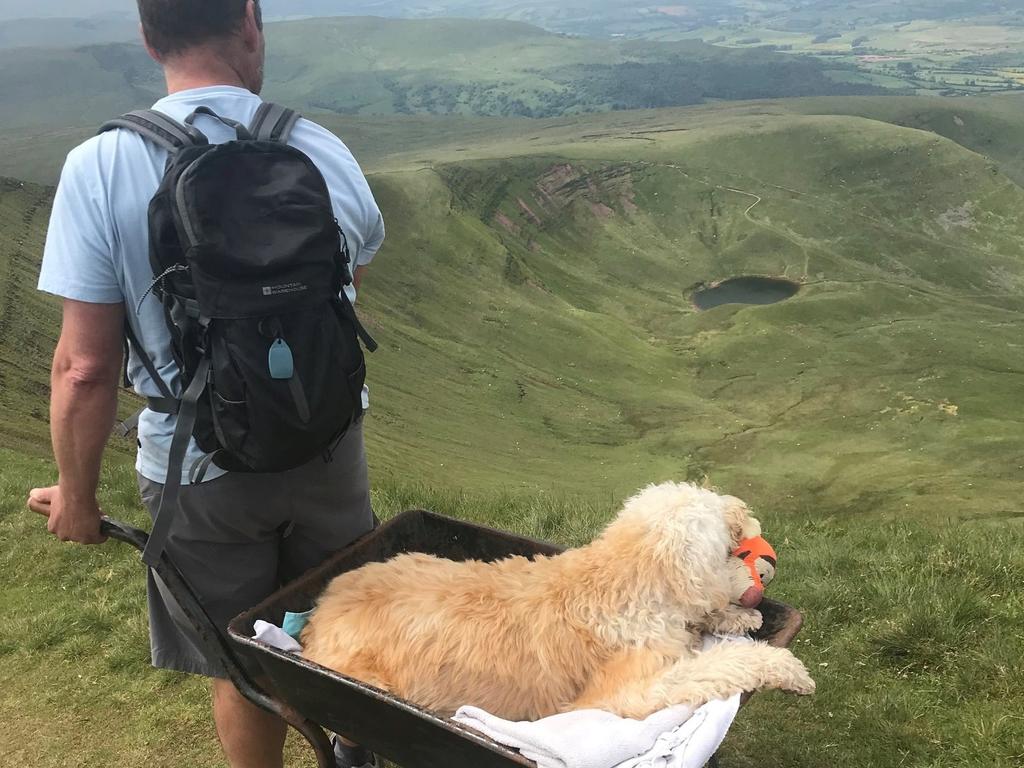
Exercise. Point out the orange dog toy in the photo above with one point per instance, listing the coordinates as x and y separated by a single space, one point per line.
761 560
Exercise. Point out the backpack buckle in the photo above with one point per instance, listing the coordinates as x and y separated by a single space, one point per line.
203 336
346 258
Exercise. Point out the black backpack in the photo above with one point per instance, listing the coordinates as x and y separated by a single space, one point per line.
250 265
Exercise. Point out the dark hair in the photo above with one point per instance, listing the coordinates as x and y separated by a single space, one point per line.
172 26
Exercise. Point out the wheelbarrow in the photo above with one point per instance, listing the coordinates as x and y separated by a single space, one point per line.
312 698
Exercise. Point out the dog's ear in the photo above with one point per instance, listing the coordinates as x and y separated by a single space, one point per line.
682 537
742 525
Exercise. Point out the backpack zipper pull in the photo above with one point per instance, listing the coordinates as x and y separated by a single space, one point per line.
282 368
280 360
159 280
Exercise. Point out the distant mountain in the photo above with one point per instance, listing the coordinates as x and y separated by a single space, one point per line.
599 18
596 18
74 86
68 32
436 66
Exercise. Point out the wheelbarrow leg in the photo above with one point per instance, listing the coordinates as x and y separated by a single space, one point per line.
316 737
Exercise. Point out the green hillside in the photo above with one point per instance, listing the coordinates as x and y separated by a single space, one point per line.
560 260
535 243
438 66
992 126
28 322
541 358
583 260
445 66
55 88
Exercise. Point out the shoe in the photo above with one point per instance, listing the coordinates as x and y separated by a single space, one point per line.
353 757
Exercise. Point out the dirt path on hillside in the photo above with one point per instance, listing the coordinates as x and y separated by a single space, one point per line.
757 201
786 235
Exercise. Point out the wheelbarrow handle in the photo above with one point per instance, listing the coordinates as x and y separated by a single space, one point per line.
115 529
216 644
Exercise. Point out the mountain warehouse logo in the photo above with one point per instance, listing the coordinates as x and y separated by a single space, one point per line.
277 290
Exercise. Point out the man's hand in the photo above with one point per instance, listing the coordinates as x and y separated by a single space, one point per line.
68 522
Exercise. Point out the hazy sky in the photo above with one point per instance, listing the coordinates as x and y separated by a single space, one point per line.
19 9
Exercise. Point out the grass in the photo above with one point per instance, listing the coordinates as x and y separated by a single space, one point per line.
913 636
990 126
541 360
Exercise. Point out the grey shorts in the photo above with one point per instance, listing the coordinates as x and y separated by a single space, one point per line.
238 538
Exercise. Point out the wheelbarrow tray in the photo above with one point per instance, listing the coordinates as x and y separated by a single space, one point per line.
392 727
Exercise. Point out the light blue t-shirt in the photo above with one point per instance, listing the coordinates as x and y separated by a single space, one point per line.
97 248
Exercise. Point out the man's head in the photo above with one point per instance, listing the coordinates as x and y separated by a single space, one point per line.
194 34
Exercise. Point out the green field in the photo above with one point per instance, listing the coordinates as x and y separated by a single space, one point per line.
953 49
541 359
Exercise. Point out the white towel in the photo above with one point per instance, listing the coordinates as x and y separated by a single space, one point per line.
673 738
275 637
584 738
693 743
590 738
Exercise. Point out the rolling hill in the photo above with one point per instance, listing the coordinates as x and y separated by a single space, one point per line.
437 66
28 320
992 126
564 254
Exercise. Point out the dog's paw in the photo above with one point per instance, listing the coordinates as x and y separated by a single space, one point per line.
750 620
738 621
798 680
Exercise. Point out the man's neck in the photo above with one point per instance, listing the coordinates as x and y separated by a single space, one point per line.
200 70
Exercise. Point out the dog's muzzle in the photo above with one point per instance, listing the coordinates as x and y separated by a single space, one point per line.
752 597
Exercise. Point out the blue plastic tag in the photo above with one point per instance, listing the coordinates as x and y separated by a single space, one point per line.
281 362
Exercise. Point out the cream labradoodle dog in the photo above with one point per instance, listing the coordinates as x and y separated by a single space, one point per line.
614 625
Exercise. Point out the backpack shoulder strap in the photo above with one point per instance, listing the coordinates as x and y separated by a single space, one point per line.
273 123
158 128
147 362
169 496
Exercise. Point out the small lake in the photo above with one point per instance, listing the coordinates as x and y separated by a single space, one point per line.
745 290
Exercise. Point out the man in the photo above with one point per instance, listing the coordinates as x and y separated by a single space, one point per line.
236 537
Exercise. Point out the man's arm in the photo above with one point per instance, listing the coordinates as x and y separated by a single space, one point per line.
83 407
357 277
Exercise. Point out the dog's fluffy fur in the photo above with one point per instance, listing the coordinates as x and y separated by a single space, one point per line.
614 625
